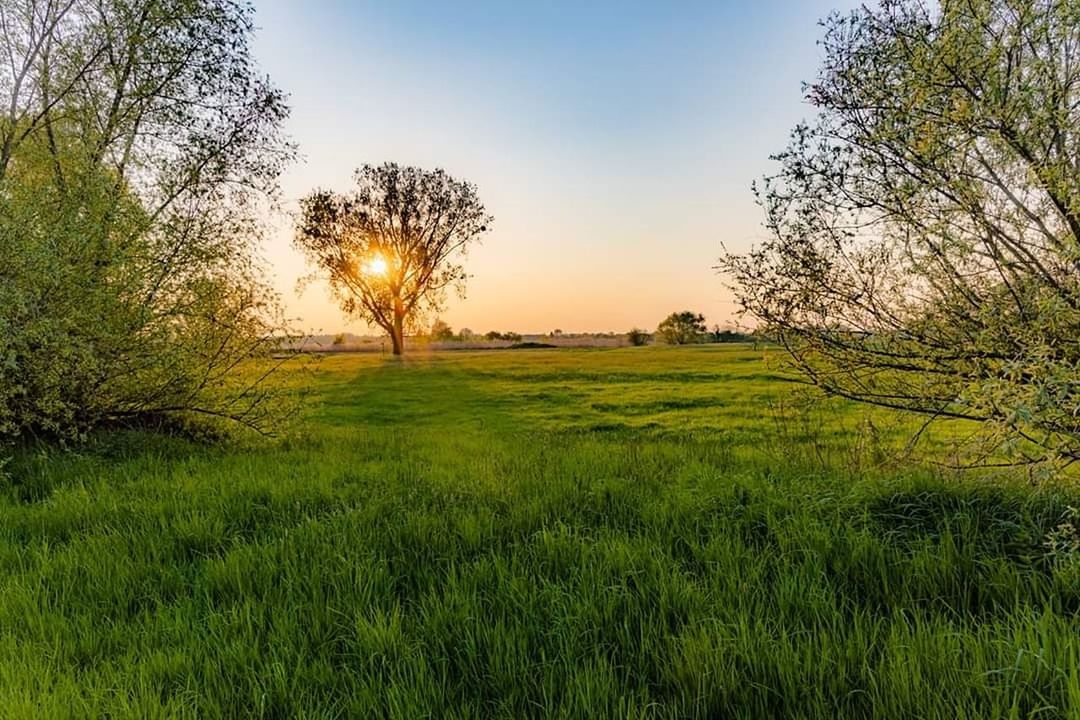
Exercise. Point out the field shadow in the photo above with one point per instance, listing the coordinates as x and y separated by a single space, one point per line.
997 520
970 551
40 468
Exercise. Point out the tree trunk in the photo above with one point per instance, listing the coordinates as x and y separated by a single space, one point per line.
397 334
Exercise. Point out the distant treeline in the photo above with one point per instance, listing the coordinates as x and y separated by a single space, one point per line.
467 340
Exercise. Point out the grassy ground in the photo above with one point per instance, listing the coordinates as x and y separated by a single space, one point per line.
564 533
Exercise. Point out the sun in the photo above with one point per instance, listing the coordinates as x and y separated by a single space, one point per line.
376 266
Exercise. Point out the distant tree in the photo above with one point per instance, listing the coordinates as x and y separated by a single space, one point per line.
925 229
682 328
441 331
507 336
557 333
727 335
466 334
339 340
391 248
638 337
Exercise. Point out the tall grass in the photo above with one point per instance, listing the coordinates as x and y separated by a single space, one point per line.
609 533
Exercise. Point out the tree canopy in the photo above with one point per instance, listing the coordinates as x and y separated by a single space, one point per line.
682 328
137 143
392 248
925 228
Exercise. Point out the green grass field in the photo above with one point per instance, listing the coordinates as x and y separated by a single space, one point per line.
635 533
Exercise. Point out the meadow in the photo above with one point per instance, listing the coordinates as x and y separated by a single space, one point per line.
631 533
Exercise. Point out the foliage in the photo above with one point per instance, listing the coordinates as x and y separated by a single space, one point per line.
628 518
494 335
339 340
682 328
726 335
638 337
392 247
925 232
1063 542
441 331
137 141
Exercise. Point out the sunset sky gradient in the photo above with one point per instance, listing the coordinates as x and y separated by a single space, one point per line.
614 142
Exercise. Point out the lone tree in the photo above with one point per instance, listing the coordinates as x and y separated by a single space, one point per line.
391 248
682 328
925 229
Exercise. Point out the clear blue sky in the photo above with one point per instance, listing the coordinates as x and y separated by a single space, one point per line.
615 142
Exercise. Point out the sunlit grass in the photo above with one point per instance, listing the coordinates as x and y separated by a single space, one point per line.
647 532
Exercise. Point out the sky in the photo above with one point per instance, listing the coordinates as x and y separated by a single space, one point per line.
615 143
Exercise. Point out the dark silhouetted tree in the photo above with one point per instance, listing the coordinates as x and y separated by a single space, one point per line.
392 247
638 337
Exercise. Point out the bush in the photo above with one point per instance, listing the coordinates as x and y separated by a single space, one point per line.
638 337
128 288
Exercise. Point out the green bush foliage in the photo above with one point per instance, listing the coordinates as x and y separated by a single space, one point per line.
128 286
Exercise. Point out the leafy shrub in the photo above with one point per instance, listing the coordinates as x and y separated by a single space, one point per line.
1063 542
128 288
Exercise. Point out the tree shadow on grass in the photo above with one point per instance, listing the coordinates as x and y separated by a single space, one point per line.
970 551
39 468
1001 521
